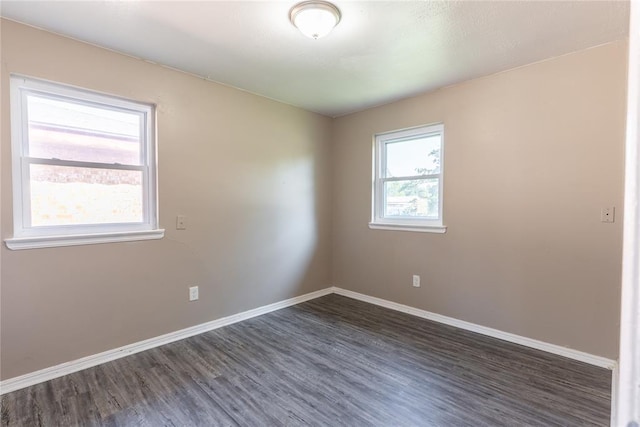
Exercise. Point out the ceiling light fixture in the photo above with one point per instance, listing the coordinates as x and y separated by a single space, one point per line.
314 19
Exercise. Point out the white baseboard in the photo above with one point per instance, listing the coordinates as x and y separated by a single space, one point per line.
495 333
66 368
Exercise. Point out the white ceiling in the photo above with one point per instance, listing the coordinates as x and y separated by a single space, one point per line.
380 52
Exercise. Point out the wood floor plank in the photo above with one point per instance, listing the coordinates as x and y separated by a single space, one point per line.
332 361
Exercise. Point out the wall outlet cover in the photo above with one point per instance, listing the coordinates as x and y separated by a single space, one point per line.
608 214
416 281
193 293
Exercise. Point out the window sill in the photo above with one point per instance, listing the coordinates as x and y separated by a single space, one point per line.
36 242
440 229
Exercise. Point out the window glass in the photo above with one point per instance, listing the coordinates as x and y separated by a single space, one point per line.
413 157
62 195
411 198
63 129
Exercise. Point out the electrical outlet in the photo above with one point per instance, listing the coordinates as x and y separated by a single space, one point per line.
181 222
193 293
608 214
416 281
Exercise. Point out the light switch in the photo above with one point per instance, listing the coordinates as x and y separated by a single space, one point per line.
181 222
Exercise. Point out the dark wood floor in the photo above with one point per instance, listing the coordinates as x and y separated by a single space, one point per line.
332 361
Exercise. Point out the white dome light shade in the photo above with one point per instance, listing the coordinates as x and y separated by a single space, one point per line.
314 19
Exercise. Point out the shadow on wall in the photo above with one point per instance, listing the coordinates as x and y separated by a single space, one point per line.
282 232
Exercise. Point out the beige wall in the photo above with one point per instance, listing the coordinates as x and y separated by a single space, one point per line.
531 155
252 176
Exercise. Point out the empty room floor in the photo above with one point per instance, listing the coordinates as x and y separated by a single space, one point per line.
332 361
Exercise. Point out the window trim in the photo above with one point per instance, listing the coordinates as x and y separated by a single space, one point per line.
27 237
378 220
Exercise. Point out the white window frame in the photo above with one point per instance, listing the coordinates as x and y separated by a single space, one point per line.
26 236
420 224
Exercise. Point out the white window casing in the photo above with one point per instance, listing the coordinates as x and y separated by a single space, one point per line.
69 112
413 212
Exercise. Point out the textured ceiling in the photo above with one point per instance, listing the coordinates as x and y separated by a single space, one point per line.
380 51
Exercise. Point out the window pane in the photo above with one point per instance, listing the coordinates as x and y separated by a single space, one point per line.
62 195
420 156
412 198
69 130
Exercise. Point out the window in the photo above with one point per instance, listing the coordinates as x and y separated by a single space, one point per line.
407 193
83 167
